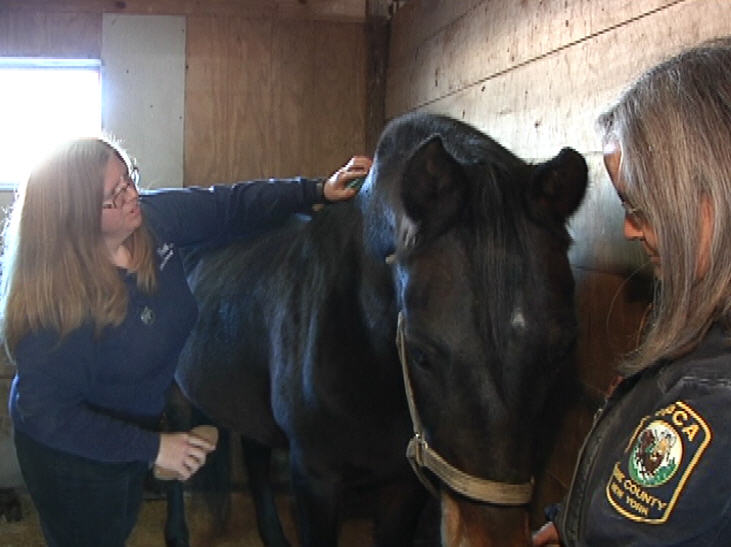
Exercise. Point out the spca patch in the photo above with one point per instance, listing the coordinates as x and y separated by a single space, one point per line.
659 459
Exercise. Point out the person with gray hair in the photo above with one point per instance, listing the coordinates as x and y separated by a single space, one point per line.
654 469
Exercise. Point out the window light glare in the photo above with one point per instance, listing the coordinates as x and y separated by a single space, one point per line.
42 105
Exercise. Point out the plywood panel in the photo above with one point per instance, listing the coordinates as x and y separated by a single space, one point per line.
205 67
340 87
492 38
227 104
293 98
419 22
537 107
32 34
248 86
597 227
339 10
272 98
319 95
611 308
535 115
377 44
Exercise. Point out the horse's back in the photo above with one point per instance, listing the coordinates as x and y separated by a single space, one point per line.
224 367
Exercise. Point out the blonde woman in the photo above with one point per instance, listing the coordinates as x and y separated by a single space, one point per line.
95 309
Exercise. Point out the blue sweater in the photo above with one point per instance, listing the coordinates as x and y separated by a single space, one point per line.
101 397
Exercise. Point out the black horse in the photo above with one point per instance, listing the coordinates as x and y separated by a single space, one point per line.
294 346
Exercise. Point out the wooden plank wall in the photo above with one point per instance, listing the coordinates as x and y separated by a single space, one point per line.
272 97
273 87
534 75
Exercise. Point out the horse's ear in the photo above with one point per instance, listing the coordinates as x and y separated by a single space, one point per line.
433 188
558 185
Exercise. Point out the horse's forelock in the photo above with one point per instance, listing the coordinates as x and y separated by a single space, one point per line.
495 236
493 225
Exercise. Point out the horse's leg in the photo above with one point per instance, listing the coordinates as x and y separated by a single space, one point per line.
176 529
317 506
10 505
257 458
400 507
178 418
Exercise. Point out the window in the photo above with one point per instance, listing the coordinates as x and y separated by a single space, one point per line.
43 102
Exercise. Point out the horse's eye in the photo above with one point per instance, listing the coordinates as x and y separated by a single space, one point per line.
418 358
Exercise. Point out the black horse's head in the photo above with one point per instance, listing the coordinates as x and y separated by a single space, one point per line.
478 258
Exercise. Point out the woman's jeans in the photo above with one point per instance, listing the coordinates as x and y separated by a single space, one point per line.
81 502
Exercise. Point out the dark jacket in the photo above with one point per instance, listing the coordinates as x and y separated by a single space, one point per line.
656 467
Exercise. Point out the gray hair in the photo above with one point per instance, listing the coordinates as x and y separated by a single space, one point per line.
673 126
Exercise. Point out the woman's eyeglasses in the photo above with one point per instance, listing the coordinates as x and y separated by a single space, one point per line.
126 181
631 213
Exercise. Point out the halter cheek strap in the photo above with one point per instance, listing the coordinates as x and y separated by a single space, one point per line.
421 455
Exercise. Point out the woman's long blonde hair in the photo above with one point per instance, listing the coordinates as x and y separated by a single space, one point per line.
674 130
56 271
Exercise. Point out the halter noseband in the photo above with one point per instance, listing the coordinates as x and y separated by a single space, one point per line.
421 455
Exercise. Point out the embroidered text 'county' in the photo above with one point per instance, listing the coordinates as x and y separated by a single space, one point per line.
657 463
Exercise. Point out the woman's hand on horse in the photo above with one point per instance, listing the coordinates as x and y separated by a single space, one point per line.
336 187
546 535
182 453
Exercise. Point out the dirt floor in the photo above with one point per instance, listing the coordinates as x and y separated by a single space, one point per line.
241 531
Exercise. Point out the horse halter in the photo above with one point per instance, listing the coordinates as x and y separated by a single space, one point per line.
421 455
